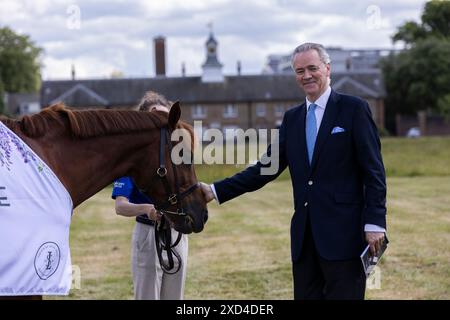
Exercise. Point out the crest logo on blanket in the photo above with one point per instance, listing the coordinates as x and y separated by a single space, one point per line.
47 260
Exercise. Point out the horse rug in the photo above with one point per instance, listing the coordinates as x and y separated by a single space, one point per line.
35 215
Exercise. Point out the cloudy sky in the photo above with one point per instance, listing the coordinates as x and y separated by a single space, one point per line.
102 37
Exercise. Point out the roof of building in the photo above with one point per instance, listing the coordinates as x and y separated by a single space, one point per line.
191 90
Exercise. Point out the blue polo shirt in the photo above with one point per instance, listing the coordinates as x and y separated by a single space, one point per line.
125 187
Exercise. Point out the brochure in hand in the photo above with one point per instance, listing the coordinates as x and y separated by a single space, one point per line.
369 261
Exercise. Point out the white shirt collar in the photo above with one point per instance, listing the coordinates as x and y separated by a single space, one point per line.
321 102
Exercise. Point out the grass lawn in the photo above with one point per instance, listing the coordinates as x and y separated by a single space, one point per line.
244 252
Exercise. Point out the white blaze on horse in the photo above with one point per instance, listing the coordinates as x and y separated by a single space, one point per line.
52 161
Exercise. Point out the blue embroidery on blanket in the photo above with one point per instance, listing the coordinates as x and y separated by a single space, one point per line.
5 149
6 138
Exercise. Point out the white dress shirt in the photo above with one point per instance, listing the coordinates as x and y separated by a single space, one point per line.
321 104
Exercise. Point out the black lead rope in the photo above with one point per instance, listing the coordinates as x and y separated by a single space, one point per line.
163 242
163 235
163 232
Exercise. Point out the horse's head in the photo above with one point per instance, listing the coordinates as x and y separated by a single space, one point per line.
173 185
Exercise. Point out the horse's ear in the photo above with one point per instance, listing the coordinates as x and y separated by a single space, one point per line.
174 114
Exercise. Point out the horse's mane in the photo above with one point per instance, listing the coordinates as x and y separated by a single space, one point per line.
90 123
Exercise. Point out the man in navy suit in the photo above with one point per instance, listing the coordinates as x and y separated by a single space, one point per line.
332 148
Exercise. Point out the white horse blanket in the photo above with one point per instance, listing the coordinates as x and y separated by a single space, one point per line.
35 215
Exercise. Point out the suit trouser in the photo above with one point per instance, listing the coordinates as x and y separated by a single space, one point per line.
317 279
149 280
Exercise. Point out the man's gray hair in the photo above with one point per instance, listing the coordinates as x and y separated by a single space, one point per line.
323 54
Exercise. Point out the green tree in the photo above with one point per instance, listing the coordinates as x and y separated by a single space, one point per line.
2 93
444 106
19 63
435 22
418 78
409 33
436 18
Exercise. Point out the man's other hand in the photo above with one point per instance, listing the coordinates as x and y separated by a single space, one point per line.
374 239
207 191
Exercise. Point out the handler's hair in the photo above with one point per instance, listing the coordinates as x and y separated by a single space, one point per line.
152 98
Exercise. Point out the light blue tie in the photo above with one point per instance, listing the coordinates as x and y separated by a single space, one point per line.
311 130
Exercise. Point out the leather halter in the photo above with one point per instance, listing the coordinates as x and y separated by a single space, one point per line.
161 174
163 234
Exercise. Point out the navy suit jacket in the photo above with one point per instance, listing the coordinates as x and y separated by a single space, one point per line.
343 189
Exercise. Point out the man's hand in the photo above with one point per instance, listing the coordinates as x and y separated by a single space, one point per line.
207 192
374 239
151 212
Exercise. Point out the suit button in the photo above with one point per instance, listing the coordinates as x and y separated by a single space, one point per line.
306 204
310 182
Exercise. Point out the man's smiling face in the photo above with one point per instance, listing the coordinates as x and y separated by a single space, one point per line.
311 73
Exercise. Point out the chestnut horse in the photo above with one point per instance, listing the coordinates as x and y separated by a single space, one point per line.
89 149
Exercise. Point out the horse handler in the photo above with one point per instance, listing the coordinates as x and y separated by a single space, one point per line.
150 281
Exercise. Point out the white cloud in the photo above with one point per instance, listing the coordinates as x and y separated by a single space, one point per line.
117 35
85 67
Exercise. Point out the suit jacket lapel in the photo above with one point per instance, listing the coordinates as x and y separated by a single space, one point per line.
329 117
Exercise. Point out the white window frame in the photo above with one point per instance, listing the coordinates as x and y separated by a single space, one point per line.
230 111
198 112
261 110
279 110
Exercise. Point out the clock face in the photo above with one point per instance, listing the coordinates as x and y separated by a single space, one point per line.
211 50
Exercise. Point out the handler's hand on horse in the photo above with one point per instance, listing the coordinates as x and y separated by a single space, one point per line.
374 239
207 191
152 213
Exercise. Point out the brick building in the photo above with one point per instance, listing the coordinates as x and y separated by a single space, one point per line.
220 101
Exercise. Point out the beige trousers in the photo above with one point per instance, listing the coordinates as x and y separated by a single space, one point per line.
149 280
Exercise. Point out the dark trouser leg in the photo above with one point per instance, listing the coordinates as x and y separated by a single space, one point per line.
316 278
308 279
344 280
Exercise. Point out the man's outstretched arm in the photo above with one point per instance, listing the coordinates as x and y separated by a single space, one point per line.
271 165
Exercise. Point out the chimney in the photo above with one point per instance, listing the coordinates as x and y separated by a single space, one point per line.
183 70
238 66
73 72
160 56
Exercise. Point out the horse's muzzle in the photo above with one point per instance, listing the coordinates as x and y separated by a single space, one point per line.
189 223
199 223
